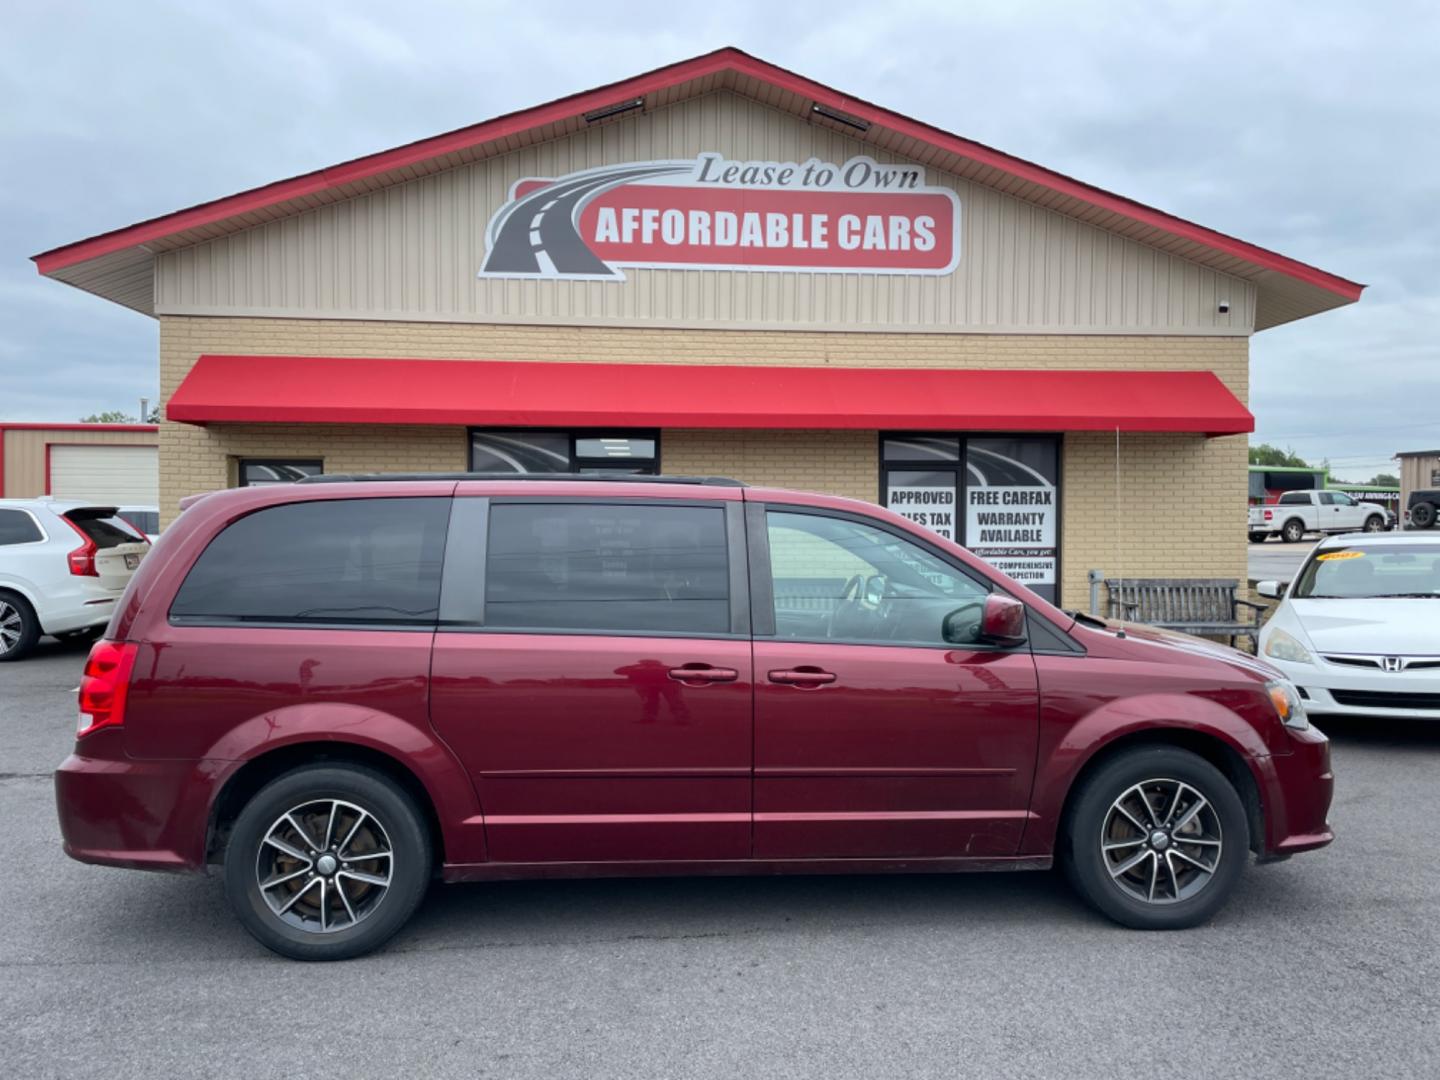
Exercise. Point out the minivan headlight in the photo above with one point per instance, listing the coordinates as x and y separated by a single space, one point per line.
1282 646
1288 705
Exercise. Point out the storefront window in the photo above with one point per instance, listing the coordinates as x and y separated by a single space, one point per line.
564 452
257 472
1007 486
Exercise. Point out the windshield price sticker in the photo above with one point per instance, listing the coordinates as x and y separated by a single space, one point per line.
1332 555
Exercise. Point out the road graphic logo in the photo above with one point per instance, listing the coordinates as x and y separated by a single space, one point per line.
855 217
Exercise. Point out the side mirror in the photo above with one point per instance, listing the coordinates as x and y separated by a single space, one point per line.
1274 590
1003 620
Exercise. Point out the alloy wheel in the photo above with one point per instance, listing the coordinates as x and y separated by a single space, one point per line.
1161 841
324 865
12 626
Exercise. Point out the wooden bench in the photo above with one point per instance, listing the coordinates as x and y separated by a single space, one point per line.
1208 606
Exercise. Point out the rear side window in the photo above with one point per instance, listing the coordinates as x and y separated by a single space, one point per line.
102 526
1295 498
18 527
607 567
342 561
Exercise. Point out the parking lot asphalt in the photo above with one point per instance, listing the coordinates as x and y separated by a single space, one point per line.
1324 966
1275 560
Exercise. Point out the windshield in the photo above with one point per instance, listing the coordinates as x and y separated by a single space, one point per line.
1365 571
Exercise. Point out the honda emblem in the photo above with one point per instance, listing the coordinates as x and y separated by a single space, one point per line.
1392 663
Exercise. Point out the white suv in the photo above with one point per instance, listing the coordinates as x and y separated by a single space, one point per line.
63 565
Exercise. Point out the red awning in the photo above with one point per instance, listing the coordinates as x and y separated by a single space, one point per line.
336 390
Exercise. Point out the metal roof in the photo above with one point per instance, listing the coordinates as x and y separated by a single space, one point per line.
118 265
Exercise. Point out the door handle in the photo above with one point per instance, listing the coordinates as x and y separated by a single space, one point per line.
697 674
802 677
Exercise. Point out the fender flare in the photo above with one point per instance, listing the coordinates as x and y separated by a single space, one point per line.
1098 731
416 749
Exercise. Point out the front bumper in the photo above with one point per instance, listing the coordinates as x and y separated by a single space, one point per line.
147 815
1384 694
1300 786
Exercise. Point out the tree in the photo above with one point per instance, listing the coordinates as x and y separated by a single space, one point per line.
115 416
1265 454
1384 479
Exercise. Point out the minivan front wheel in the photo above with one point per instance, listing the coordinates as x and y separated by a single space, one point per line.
1156 839
327 862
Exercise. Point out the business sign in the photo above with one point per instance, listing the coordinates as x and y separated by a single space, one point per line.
1012 509
709 213
926 498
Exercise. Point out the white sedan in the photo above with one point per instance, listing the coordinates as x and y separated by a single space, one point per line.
1358 630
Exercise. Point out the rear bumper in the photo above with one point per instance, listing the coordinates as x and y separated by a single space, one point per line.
77 608
147 815
1301 789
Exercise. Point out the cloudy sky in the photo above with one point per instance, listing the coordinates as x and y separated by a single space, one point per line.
1311 128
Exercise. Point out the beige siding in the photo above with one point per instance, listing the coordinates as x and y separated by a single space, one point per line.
24 454
412 251
1416 473
1210 473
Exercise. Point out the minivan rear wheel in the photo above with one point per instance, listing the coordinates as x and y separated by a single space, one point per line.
327 862
1156 839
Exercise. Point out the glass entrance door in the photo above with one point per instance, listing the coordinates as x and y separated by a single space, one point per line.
998 495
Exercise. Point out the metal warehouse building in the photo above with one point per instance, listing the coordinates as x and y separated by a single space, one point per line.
724 267
106 463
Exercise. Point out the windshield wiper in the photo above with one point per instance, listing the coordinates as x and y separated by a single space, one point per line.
1373 596
1088 619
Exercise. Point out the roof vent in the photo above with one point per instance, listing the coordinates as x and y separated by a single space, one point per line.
839 117
614 110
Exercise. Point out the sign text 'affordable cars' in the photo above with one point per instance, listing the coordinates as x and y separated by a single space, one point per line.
859 216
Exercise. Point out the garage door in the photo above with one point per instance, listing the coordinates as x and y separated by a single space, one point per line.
121 475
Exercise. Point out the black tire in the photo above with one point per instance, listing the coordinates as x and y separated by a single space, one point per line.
19 628
1293 531
400 825
1181 902
1258 538
1374 523
1422 515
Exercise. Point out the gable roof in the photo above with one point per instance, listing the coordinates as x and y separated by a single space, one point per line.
118 265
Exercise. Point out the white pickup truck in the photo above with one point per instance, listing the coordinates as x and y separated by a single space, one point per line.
1300 512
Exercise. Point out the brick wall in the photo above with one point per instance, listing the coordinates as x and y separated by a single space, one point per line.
1200 482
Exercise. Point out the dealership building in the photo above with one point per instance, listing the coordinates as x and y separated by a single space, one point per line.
723 267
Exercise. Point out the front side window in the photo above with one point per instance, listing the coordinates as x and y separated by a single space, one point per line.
607 568
532 451
18 527
371 561
835 579
255 472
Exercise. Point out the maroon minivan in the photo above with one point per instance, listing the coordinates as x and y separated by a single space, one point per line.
342 688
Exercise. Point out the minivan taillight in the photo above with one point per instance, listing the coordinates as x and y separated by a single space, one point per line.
104 685
82 559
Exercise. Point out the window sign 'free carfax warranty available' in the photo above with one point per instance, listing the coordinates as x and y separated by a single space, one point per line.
859 216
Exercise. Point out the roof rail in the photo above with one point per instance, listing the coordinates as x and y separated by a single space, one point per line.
616 477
